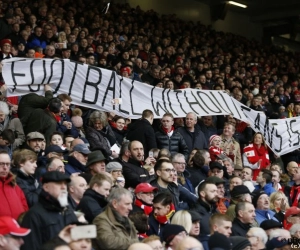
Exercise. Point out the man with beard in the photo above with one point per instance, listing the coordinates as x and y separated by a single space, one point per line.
34 142
94 198
114 228
133 171
206 207
144 194
51 213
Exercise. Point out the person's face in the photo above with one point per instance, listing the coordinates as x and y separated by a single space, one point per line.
179 164
29 167
229 167
10 242
79 185
35 144
120 124
207 120
224 228
155 244
248 215
56 140
221 191
137 151
55 189
124 206
57 165
160 210
103 189
146 197
228 130
116 173
207 158
210 194
216 142
217 172
178 238
235 182
263 203
98 125
246 174
82 158
50 51
166 172
66 106
6 48
275 177
258 139
195 230
296 174
190 121
259 178
83 244
4 165
278 201
190 161
98 167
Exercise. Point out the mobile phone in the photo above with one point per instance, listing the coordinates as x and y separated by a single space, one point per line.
83 232
150 154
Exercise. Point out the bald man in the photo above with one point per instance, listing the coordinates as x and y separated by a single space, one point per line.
139 246
189 243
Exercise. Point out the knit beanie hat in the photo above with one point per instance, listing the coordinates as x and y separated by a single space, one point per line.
239 242
76 118
255 196
219 241
170 231
213 137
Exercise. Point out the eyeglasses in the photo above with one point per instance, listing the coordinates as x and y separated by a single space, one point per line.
5 164
180 163
169 170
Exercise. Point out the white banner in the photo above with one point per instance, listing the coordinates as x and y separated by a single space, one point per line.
102 89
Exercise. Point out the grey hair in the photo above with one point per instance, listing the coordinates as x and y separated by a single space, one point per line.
228 159
260 233
192 113
98 115
176 156
279 232
295 228
117 194
4 108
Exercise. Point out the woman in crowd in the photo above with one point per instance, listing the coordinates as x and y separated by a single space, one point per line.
256 154
100 135
119 128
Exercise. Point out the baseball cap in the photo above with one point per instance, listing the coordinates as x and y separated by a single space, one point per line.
145 187
54 148
82 148
9 225
35 135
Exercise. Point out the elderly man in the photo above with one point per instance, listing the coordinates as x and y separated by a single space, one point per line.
192 134
13 201
168 137
114 229
173 235
77 159
96 162
51 213
144 193
76 189
11 234
257 237
55 164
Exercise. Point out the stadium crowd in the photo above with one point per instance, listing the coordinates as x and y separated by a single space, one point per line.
76 178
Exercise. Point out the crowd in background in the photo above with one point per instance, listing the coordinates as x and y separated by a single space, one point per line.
79 178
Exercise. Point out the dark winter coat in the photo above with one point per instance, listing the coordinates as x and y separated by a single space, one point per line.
143 132
91 204
45 219
175 143
74 166
239 228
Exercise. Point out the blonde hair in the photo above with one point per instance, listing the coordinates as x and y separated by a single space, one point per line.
183 218
274 196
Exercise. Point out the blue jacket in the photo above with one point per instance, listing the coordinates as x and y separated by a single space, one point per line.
262 215
74 166
268 188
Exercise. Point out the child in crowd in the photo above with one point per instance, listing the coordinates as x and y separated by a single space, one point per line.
214 149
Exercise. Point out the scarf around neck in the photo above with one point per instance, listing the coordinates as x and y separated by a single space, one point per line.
147 209
165 218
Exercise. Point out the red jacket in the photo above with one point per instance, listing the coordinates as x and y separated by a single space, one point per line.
12 198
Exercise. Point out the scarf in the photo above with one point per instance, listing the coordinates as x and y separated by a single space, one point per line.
165 218
166 131
295 195
57 117
147 209
142 236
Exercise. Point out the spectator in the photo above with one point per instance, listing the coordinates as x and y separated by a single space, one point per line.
51 211
5 53
257 237
94 198
114 229
36 39
96 162
173 235
264 180
154 242
143 132
195 230
168 137
76 189
13 202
